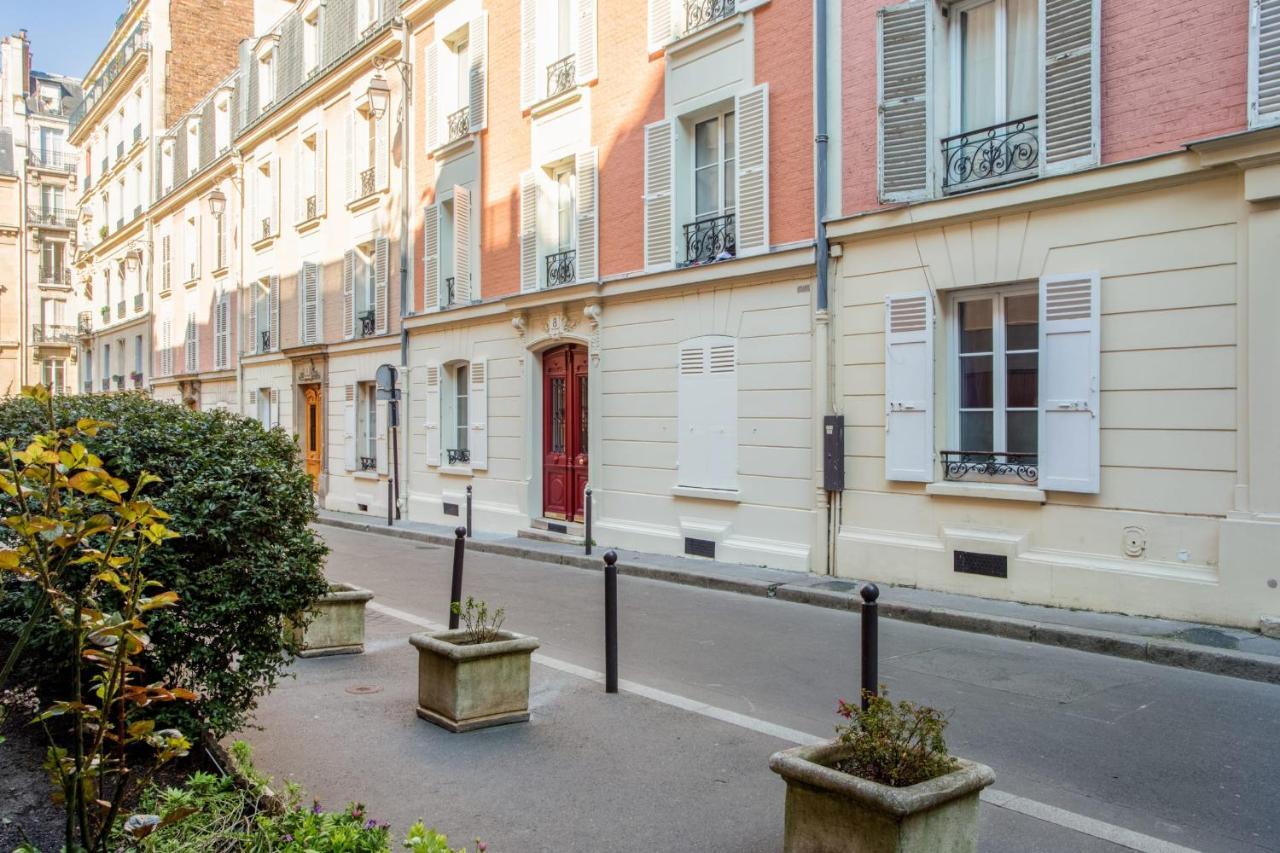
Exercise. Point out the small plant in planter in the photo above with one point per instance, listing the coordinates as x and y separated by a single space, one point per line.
886 783
475 676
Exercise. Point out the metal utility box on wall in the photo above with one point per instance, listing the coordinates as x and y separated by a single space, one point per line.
833 453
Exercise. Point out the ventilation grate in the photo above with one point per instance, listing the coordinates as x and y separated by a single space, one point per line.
1068 300
691 361
450 509
477 373
722 359
700 547
908 314
988 565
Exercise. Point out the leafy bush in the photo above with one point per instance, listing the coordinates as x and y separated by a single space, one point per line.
317 831
898 745
246 559
479 622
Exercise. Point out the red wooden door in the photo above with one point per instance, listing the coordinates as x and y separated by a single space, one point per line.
564 431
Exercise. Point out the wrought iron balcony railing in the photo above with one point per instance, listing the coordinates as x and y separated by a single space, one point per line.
119 380
266 227
120 309
119 222
713 238
88 386
264 338
562 268
137 302
459 123
311 208
991 155
456 455
365 324
958 464
55 275
58 217
368 463
562 75
450 286
58 161
106 383
368 180
702 13
47 333
84 323
131 46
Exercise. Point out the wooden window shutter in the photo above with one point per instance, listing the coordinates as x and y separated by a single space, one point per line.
431 110
299 206
661 24
382 152
1070 346
166 255
528 53
349 294
462 244
381 270
310 278
195 262
908 387
431 257
478 73
380 442
433 414
528 231
221 333
251 329
752 173
274 298
586 172
189 349
904 54
478 410
277 193
351 157
586 58
349 430
1069 102
321 155
707 413
659 186
1264 62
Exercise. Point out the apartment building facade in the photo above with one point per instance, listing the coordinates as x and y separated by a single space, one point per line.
1048 301
38 203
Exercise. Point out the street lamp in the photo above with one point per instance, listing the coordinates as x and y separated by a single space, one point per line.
379 95
217 202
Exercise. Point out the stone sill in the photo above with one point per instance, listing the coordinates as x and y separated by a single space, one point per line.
988 491
308 225
366 475
359 204
458 145
726 495
555 102
455 470
265 243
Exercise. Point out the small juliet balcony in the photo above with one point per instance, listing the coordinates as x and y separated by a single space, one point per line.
48 333
364 324
264 341
55 275
450 290
459 124
562 75
711 238
52 217
982 465
311 207
562 268
266 228
84 323
704 13
368 463
991 155
368 182
137 303
456 456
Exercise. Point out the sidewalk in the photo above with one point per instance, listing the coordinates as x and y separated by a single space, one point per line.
1222 651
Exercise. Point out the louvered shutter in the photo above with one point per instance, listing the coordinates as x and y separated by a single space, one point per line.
277 193
478 81
274 412
382 152
166 350
274 301
661 29
351 157
221 333
528 53
752 173
349 294
196 262
431 257
904 48
189 351
659 184
321 155
587 175
586 59
309 277
478 412
1069 433
251 330
380 444
908 387
349 429
245 87
166 260
1264 62
462 244
1069 102
433 414
707 414
299 206
381 269
431 112
528 231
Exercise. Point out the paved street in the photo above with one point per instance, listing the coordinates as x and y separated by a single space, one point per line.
1102 748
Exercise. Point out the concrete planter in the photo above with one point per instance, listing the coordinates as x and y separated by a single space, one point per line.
833 812
338 626
465 687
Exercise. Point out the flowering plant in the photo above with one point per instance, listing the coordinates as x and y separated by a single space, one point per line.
898 745
314 830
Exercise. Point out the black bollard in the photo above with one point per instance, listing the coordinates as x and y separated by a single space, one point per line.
610 622
870 642
468 511
390 503
586 510
455 594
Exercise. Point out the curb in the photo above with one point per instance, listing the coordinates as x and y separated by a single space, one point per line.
1233 664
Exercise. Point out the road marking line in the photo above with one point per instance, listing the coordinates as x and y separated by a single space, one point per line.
1000 799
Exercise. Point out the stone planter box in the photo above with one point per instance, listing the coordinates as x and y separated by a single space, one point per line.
833 812
465 687
338 624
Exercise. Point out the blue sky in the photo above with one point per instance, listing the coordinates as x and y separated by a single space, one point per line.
66 35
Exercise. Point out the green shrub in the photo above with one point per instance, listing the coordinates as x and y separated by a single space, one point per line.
246 558
896 745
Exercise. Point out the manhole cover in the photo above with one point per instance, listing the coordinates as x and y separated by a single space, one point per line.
364 689
838 586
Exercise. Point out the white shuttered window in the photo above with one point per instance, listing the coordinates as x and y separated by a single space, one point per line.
707 413
904 53
1070 347
908 387
1069 103
1264 62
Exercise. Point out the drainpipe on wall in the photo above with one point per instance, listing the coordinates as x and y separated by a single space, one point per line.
828 501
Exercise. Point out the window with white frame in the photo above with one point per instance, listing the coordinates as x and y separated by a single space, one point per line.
707 414
222 121
54 374
193 146
558 48
264 340
266 78
366 15
265 200
137 355
365 289
367 426
264 407
139 190
166 263
191 247
457 414
712 234
166 164
220 241
311 43
310 180
561 259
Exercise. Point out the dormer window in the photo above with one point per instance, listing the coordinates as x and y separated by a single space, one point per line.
222 121
311 42
366 15
193 146
166 164
266 78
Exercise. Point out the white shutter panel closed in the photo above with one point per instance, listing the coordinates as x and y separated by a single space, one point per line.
462 244
478 410
1264 62
380 446
382 153
478 80
431 257
1069 102
299 207
904 45
1070 345
310 303
908 387
351 157
587 175
659 182
433 414
220 323
321 154
275 312
349 430
251 330
752 174
528 231
349 294
381 269
528 53
586 59
707 414
660 24
431 111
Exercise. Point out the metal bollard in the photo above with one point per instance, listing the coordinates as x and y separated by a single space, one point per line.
391 500
468 511
455 594
586 508
870 642
610 622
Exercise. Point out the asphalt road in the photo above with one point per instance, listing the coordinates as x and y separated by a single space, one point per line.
1181 757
